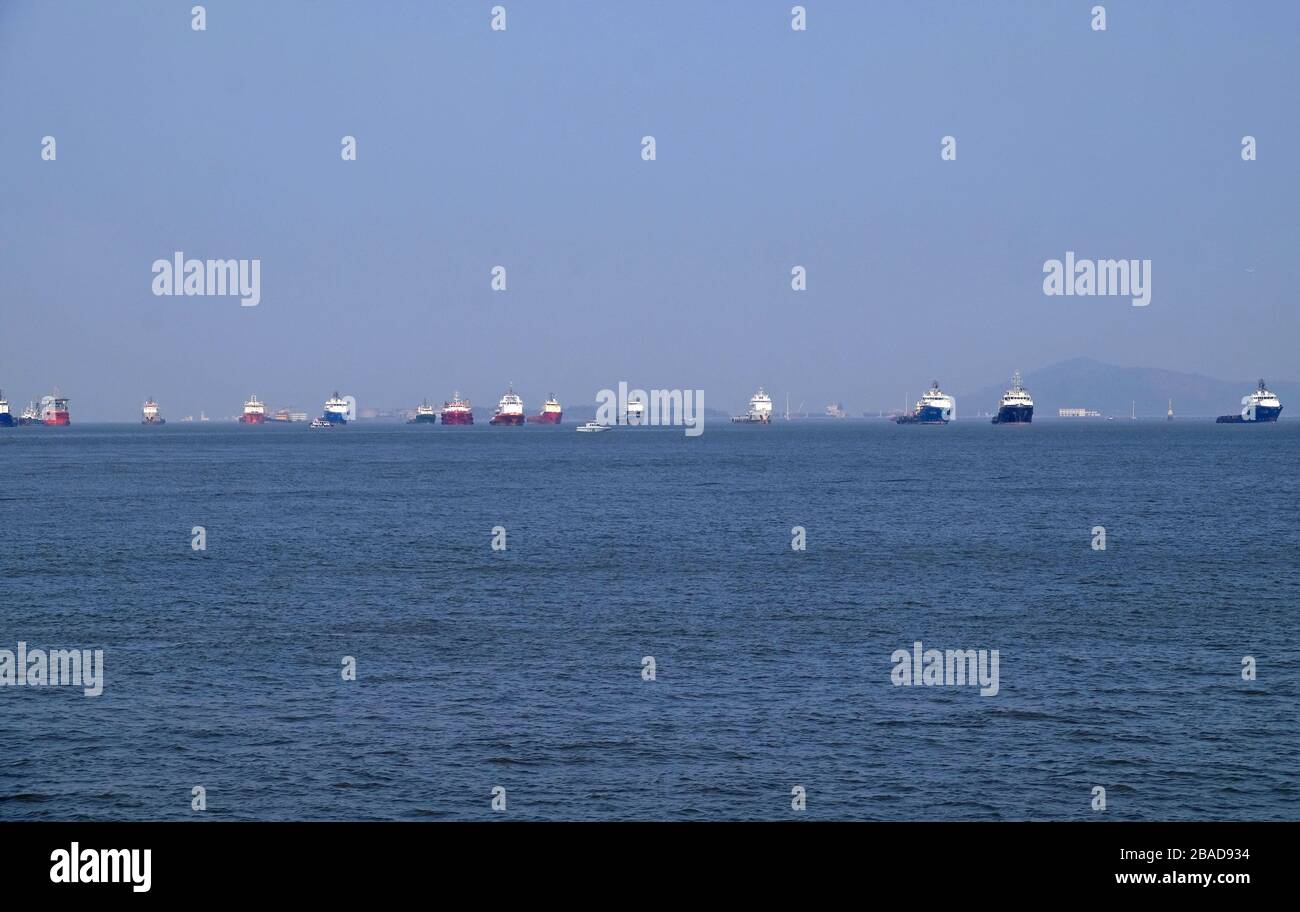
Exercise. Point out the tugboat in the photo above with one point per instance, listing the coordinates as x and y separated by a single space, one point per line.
424 414
149 413
935 407
550 414
510 410
760 410
457 411
6 419
254 411
1259 407
336 409
1017 406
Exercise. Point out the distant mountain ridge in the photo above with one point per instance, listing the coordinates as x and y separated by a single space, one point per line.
1112 390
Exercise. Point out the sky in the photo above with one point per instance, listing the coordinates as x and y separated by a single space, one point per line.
523 148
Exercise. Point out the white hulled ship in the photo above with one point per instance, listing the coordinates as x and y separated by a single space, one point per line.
760 409
1017 406
149 413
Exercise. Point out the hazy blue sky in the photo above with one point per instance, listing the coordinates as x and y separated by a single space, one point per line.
522 148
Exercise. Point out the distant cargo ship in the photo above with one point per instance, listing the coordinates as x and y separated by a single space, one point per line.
1017 406
760 409
6 419
336 409
288 416
424 414
149 413
1260 406
457 410
510 410
935 407
254 411
54 410
551 412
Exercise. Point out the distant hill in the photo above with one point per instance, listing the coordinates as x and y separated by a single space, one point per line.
1085 383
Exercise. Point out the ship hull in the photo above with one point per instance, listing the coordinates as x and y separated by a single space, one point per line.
424 419
58 419
457 417
252 419
7 420
546 418
334 418
153 421
507 420
1014 414
1263 415
925 415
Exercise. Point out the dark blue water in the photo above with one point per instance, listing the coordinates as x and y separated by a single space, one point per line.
522 668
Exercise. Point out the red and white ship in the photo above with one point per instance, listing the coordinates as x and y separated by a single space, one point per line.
54 410
254 412
457 411
510 410
551 412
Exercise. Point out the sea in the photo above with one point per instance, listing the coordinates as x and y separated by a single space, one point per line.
381 622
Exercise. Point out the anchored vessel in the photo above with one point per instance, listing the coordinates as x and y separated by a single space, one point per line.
457 411
54 410
760 409
635 411
336 409
6 419
1259 406
30 415
254 411
592 427
1017 406
935 407
149 413
424 414
551 412
510 410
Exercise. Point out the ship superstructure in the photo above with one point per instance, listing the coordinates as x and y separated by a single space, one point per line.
457 410
510 410
1261 406
149 413
1017 406
760 409
551 412
336 409
934 407
254 411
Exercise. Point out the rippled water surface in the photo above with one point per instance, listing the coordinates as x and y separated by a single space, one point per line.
522 668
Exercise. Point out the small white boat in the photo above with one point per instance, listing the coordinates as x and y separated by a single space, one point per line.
321 422
592 427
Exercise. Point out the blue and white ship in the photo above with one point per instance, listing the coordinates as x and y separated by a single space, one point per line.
935 407
6 417
1017 406
336 409
1260 406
